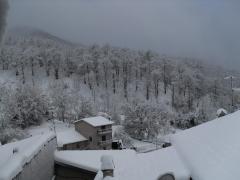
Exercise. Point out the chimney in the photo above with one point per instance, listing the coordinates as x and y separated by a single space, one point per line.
107 166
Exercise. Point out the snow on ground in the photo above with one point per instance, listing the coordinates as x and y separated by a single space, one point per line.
211 150
142 146
128 164
14 156
139 146
65 132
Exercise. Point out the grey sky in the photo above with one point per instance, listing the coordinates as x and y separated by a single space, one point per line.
3 13
206 29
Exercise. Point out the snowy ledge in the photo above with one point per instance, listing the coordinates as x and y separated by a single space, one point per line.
14 156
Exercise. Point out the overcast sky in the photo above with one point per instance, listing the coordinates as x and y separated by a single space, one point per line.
208 29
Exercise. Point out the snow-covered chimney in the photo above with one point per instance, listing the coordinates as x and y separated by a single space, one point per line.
107 166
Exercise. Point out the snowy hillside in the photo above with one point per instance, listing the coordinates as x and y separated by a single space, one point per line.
43 77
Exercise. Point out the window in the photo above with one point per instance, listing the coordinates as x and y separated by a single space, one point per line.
90 138
78 146
103 127
103 138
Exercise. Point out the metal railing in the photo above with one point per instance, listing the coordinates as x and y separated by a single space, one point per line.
104 131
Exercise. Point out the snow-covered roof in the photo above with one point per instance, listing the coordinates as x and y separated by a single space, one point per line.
69 136
96 121
107 162
211 150
128 164
12 163
65 132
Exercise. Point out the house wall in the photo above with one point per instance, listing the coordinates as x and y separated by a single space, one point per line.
108 137
89 131
41 167
66 172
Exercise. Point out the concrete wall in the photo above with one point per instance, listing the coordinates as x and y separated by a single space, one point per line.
82 145
66 172
41 167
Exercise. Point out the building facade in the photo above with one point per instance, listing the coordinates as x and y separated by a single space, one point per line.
98 131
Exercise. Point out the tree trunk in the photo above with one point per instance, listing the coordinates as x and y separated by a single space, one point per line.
23 73
114 83
56 73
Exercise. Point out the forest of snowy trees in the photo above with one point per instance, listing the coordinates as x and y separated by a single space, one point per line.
51 78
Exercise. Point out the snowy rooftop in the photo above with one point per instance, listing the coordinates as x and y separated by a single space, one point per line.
96 121
128 164
11 163
68 137
66 133
211 150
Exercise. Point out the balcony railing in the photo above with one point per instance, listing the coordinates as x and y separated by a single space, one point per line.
103 143
104 131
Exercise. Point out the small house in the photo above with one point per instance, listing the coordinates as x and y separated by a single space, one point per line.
98 131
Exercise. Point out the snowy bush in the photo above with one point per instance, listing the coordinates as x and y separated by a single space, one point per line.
30 107
9 134
145 120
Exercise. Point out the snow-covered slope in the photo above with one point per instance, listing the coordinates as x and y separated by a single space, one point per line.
211 151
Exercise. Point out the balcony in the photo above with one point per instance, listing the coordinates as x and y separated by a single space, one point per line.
104 143
104 131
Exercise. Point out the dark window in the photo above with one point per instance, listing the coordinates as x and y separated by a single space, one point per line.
103 127
90 138
103 138
78 146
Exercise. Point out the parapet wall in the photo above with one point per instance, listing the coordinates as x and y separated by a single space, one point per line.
41 166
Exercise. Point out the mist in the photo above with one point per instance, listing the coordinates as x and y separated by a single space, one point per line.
204 29
3 14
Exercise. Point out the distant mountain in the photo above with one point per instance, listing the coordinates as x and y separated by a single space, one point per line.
34 32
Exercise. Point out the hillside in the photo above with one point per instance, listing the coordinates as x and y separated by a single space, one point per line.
44 77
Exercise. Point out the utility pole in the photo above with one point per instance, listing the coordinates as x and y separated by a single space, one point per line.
173 94
232 91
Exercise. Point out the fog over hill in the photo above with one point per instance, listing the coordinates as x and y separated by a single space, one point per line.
191 28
